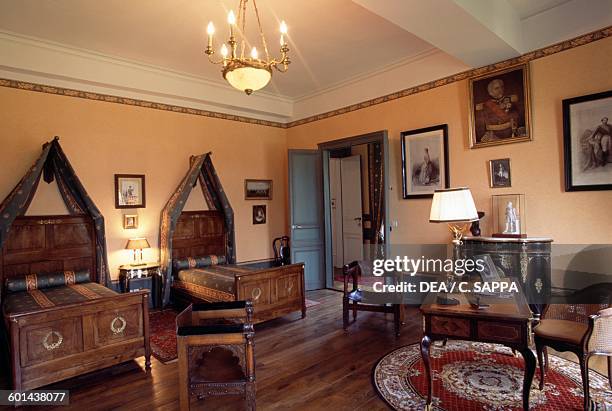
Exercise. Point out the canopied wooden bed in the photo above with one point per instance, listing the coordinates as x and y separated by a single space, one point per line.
57 331
275 291
60 319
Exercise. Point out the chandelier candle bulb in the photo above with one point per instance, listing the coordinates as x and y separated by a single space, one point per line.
210 30
231 19
254 54
283 30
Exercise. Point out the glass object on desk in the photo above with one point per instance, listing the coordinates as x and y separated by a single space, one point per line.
509 216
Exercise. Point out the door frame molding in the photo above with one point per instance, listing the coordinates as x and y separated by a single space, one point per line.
381 136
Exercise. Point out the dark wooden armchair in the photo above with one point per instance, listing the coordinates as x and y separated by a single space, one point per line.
215 351
353 299
584 329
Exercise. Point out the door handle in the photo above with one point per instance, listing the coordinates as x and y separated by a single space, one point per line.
297 226
357 219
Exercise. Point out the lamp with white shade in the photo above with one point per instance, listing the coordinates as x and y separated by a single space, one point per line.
137 245
454 206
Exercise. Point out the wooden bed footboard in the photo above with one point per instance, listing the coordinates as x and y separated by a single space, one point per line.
274 291
57 343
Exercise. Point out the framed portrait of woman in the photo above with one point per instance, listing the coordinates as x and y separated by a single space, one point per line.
424 161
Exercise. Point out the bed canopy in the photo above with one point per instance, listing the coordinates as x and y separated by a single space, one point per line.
201 169
54 165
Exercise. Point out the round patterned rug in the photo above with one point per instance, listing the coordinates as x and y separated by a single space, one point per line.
477 376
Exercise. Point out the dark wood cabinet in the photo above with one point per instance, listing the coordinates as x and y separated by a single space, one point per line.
526 259
142 277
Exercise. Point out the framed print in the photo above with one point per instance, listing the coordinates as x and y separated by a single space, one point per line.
130 191
587 141
130 221
258 189
259 214
500 107
499 173
424 161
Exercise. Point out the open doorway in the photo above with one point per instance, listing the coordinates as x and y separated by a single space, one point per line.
355 201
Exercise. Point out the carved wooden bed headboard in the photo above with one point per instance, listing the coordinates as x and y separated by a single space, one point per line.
199 233
43 244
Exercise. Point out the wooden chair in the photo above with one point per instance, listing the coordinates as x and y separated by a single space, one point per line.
215 351
352 299
584 329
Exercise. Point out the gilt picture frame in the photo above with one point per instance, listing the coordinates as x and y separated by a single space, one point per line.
130 221
424 161
500 107
257 189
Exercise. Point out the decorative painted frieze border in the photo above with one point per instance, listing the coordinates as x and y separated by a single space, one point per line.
41 88
534 55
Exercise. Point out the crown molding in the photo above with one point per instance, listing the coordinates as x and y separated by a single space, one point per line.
38 61
365 76
23 79
525 58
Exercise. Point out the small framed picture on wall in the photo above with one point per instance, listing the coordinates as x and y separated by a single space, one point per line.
130 191
499 173
587 137
257 189
259 214
130 221
424 161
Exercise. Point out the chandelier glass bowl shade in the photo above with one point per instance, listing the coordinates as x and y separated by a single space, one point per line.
247 73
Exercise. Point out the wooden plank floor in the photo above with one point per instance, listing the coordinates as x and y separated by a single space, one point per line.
304 364
309 364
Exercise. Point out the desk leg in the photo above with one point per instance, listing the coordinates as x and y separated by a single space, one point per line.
425 344
530 367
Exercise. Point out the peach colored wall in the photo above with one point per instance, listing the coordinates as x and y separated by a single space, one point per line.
537 166
102 139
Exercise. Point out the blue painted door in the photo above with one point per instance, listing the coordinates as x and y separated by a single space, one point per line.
306 215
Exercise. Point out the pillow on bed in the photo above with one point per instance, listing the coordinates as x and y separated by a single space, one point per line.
198 262
47 280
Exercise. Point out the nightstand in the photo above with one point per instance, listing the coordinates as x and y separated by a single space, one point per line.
142 277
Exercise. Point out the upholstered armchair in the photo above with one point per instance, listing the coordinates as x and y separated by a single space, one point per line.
352 299
584 329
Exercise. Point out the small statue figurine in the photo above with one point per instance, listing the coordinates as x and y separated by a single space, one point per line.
512 220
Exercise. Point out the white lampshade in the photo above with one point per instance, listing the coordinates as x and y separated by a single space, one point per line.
248 79
453 205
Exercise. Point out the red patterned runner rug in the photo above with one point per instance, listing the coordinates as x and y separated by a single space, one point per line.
476 376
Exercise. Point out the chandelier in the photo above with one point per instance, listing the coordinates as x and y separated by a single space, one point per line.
247 73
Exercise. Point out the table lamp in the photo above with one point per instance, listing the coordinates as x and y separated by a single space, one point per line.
137 244
454 206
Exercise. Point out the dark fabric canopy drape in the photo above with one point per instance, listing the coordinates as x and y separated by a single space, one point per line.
377 193
201 169
53 164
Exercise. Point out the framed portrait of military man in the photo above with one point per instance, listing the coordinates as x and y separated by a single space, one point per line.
500 107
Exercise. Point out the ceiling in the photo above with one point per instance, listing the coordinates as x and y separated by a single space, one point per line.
326 48
528 8
335 44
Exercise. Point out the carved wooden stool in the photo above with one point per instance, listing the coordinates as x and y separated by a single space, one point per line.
215 351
